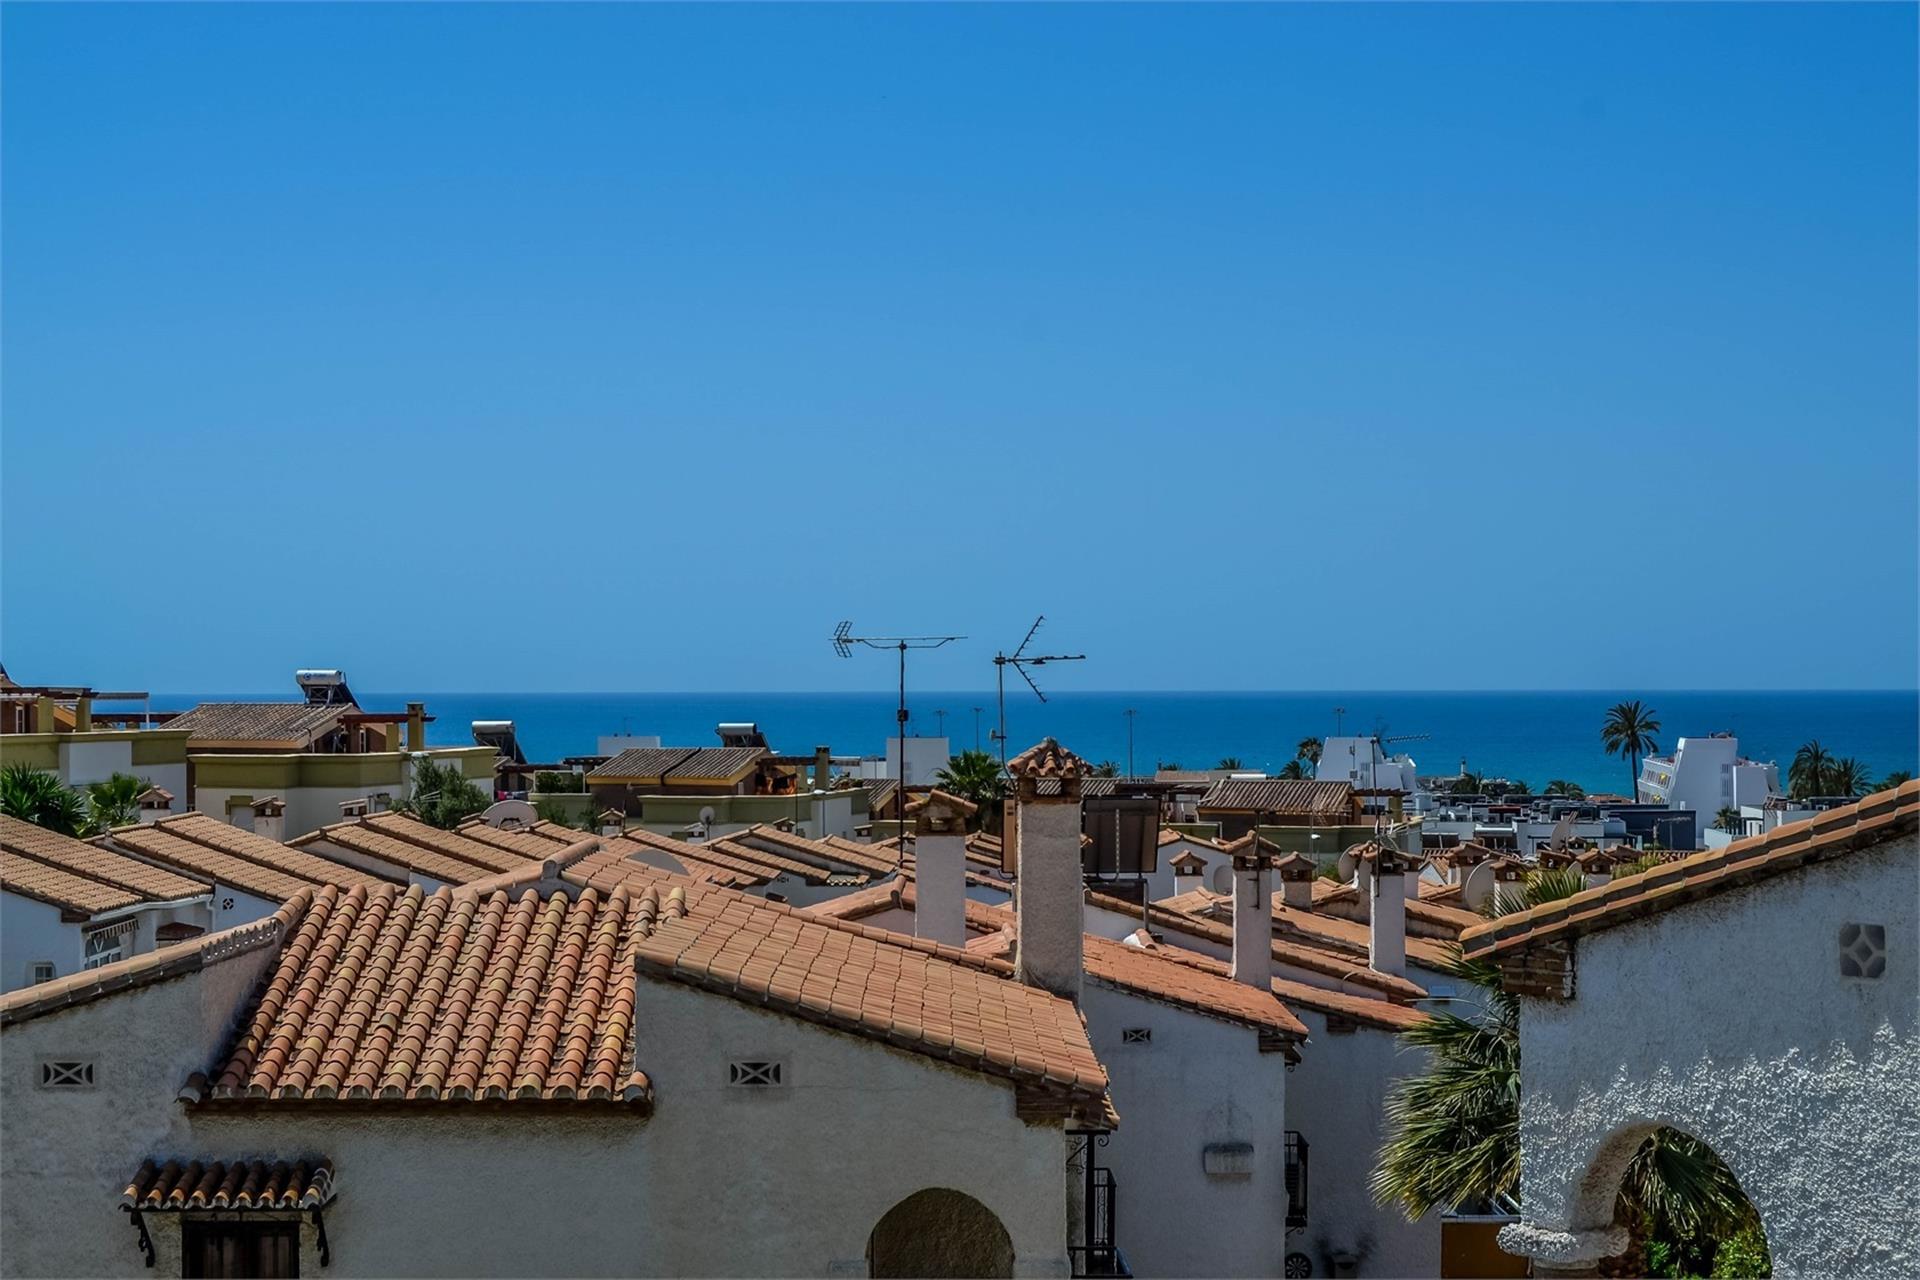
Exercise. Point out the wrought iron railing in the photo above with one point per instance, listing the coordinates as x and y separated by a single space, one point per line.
1100 1256
1296 1179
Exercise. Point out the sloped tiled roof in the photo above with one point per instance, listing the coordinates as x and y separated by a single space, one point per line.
921 998
643 765
1309 928
199 845
1330 896
1310 798
1833 834
80 877
238 1184
640 764
1378 1013
447 856
545 839
832 853
750 855
262 722
716 762
393 994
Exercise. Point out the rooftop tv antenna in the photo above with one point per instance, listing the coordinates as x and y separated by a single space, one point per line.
843 642
1020 660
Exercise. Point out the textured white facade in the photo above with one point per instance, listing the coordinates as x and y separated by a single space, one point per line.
720 1180
1730 1019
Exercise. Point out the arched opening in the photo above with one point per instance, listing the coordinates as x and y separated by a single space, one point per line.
1681 1208
939 1232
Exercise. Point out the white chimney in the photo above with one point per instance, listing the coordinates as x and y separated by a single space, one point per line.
1253 915
1050 895
1363 881
1189 873
1297 871
270 818
1387 919
940 867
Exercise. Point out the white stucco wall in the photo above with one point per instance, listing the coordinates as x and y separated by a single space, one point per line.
720 1181
1198 1081
32 931
1335 1098
1729 1019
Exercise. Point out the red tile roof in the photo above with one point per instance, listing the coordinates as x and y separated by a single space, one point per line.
80 877
1833 834
239 1184
207 847
924 999
1283 798
392 994
1048 759
293 724
1375 1012
1309 928
830 854
447 856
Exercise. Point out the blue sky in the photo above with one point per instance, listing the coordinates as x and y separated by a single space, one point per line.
1526 346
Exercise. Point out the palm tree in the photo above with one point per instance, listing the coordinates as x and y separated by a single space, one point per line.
1848 777
1898 778
1729 820
974 776
1107 769
440 795
113 803
1561 787
1228 762
1628 733
1454 1131
1467 784
1309 750
36 796
1807 775
1292 771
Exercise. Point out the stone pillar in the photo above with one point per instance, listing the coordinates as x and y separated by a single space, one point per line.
1050 895
822 768
940 867
416 726
83 714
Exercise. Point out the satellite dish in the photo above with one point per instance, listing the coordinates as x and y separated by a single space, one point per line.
509 815
659 860
706 815
1561 831
1477 887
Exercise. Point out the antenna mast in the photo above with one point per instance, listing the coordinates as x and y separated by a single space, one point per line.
1020 661
843 642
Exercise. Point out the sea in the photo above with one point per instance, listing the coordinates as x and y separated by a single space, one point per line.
1533 737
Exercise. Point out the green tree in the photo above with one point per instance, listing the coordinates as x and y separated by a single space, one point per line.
440 795
1454 1131
1729 820
552 809
36 796
1309 750
1107 769
1561 787
1467 784
1229 762
1807 775
1292 771
975 776
1628 733
1848 777
114 802
556 781
1898 778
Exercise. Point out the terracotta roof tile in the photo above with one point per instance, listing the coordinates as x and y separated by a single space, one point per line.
545 838
1284 798
1833 834
1309 928
263 722
915 996
392 994
831 854
1375 1012
78 876
414 845
204 846
239 1184
746 855
1048 759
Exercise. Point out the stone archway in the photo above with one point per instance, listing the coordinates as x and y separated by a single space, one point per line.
1607 1236
939 1232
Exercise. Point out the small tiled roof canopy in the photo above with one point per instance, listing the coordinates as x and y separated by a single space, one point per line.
961 804
183 1186
1282 798
263 722
1834 834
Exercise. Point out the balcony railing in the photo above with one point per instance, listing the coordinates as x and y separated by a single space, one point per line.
1099 1256
1296 1179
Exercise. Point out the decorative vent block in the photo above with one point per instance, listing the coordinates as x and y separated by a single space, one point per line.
1863 950
1227 1159
1137 1035
66 1075
755 1075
